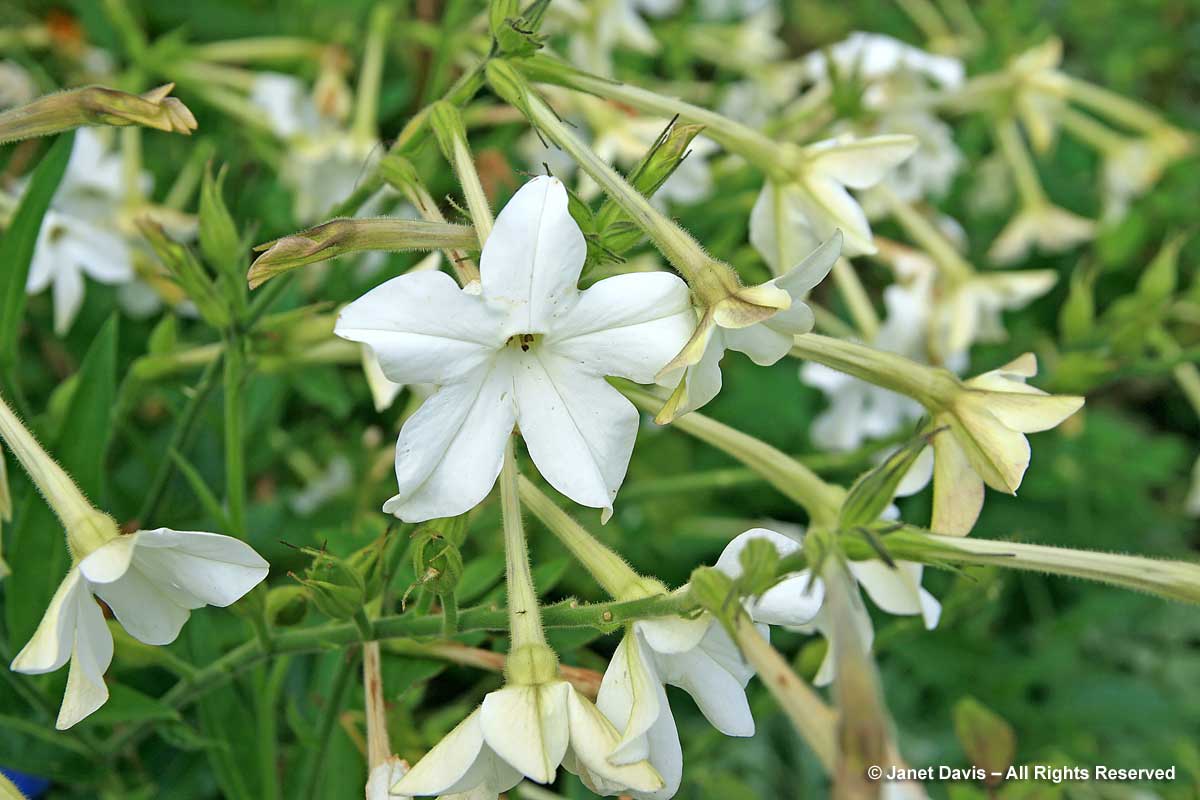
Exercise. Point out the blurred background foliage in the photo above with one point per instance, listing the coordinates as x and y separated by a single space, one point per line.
1083 674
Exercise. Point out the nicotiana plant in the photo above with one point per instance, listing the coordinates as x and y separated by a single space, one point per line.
542 341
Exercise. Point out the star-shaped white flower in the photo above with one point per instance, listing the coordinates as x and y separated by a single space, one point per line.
151 580
526 732
526 348
76 237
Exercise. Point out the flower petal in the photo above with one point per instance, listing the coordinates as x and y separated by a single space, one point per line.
110 561
50 646
779 229
146 612
593 738
860 163
90 657
957 488
720 694
629 699
533 257
579 430
673 634
527 727
829 207
423 328
446 767
628 325
214 569
450 451
729 562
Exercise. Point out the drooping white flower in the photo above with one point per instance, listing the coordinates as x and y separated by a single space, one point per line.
894 590
76 237
151 580
1050 228
764 342
789 219
525 347
526 732
972 310
988 419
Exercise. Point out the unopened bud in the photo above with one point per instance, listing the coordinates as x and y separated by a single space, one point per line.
341 236
986 738
97 105
334 587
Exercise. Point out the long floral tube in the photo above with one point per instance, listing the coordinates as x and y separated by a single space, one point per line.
1169 579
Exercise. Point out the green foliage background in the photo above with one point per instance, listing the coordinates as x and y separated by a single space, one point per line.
1085 674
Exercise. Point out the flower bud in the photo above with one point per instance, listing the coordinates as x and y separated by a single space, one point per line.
187 272
97 105
341 236
436 559
219 239
334 587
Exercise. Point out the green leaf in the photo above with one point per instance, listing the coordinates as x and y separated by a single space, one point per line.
16 248
37 550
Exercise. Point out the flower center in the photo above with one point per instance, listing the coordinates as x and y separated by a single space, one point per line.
523 341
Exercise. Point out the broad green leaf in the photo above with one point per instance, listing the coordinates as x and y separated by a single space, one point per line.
17 244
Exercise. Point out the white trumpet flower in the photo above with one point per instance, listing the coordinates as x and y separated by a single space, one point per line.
151 580
526 732
988 418
525 347
797 601
764 342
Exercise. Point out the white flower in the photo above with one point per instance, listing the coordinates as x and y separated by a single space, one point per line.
525 347
1133 166
600 26
764 342
875 57
789 219
1051 228
76 237
1040 91
894 590
526 731
987 420
151 580
324 162
930 170
287 103
971 310
859 410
